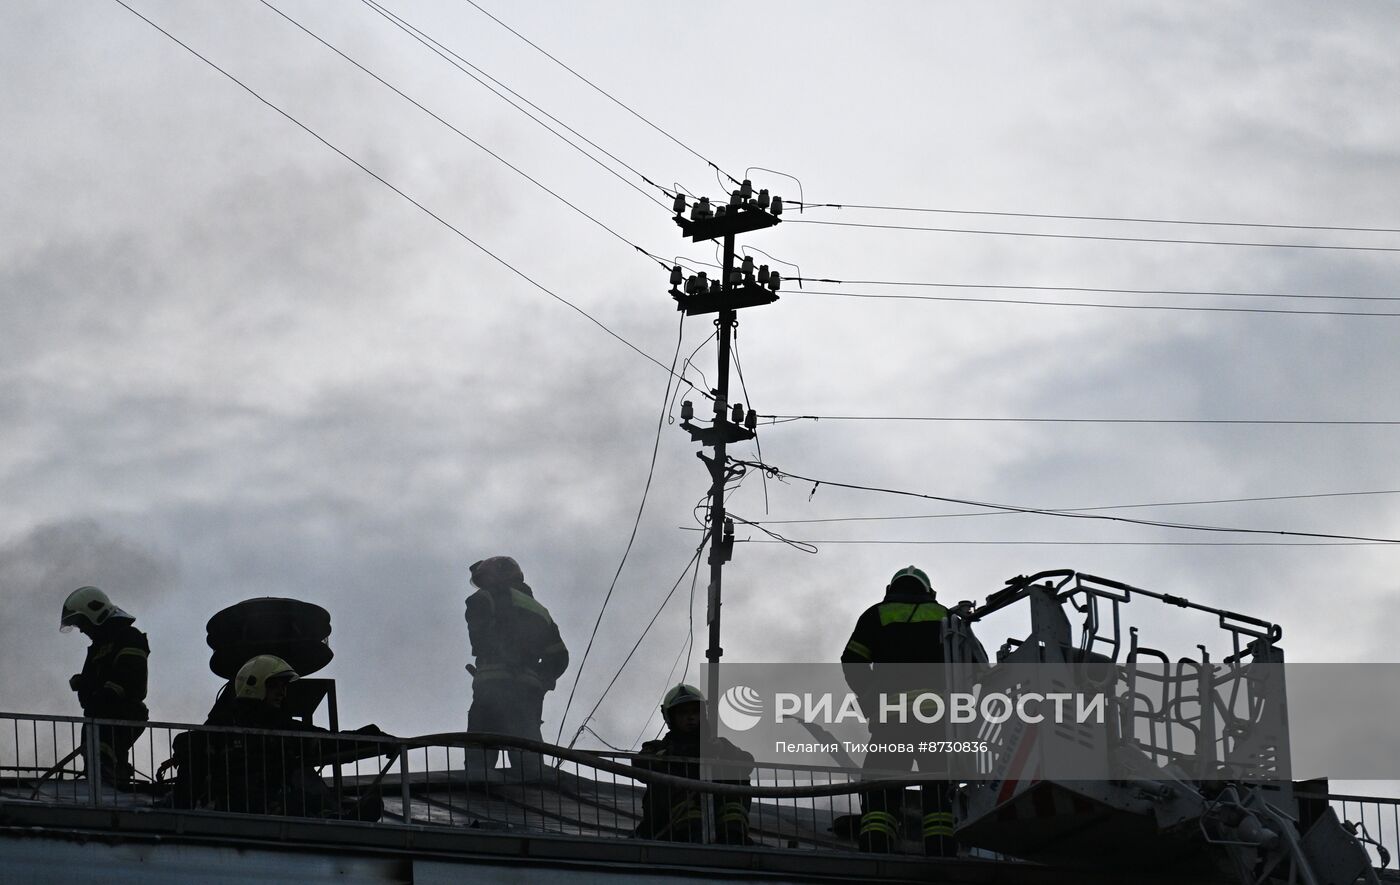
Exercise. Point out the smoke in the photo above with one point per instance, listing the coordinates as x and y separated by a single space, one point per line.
37 570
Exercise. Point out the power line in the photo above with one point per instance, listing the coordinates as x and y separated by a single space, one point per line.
803 546
645 630
757 442
1077 509
601 739
1102 238
642 732
604 93
684 651
1094 290
457 62
1122 218
688 364
1066 514
1097 543
685 367
430 213
979 419
646 489
459 132
690 619
1091 304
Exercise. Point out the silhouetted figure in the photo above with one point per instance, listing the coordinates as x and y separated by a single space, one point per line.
113 682
904 628
264 773
675 814
519 653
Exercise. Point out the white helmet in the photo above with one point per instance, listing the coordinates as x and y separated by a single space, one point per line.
680 696
253 677
91 605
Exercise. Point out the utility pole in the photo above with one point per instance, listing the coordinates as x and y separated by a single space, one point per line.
736 288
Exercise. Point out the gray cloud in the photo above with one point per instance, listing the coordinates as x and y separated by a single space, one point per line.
37 571
222 342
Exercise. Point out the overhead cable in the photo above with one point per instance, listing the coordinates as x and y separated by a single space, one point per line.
683 652
423 208
458 62
1093 290
602 740
1117 218
685 367
1102 306
757 442
1087 543
801 546
646 489
983 419
464 135
1077 509
694 559
1098 237
1064 514
653 710
689 361
604 93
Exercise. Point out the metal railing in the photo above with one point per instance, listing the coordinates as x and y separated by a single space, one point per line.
481 782
1375 820
465 781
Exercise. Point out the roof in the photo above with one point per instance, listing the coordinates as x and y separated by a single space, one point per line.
561 822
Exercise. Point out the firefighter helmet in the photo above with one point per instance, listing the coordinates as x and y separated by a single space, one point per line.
90 605
678 697
911 573
497 571
253 677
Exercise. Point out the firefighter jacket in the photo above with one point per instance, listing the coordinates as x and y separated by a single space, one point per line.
904 628
259 773
675 813
515 641
113 682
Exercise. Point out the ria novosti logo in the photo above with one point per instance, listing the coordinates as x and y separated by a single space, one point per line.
740 708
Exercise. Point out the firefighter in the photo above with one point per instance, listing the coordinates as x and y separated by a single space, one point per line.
674 814
113 682
904 628
262 774
519 653
272 774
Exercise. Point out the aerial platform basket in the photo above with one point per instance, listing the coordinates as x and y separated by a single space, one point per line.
1189 765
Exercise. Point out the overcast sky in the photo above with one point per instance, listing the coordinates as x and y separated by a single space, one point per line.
233 364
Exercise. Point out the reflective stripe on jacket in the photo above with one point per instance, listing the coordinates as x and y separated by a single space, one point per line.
514 638
113 681
902 629
668 812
